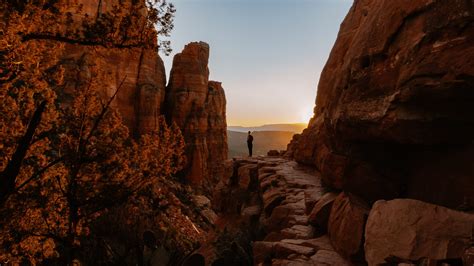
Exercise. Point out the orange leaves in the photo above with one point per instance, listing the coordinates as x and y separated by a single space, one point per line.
162 150
81 162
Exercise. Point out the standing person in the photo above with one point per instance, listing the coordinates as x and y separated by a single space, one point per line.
250 143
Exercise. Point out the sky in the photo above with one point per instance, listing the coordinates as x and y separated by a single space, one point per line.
268 54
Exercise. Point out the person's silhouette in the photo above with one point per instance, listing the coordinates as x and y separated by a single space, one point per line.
250 143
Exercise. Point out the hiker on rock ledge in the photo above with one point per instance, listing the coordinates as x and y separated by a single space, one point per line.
250 143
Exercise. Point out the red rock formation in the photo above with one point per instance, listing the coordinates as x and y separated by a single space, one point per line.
139 72
346 226
267 199
319 216
393 113
127 61
197 106
411 230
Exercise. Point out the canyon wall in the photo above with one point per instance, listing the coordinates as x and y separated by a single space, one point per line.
393 114
137 73
113 45
197 106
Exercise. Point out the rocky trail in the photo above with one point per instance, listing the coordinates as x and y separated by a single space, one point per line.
290 192
274 211
275 198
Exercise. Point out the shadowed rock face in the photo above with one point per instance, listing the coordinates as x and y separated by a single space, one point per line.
393 114
413 230
197 106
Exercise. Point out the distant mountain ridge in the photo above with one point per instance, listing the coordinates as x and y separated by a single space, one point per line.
263 142
295 128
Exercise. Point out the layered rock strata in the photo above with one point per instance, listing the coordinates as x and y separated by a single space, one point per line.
111 45
198 107
117 59
137 74
393 112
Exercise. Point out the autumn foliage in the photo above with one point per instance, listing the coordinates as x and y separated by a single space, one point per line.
68 167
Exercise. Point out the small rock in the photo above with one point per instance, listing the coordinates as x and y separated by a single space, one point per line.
201 201
210 216
298 232
273 153
328 257
316 243
284 250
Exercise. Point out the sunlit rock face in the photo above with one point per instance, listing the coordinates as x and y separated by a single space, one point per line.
138 74
216 131
197 106
125 62
393 113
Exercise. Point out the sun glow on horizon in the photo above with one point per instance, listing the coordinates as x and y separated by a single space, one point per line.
306 115
267 79
302 117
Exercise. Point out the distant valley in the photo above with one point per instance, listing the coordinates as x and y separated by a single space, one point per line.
263 141
295 128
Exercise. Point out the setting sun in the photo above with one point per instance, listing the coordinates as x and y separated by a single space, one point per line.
306 115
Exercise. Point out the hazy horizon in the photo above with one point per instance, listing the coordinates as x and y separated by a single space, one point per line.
267 54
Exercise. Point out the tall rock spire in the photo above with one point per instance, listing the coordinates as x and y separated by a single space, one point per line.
197 106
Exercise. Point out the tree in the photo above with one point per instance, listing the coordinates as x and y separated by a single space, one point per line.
97 167
62 165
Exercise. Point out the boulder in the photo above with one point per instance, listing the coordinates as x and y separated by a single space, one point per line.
284 216
298 232
273 153
319 216
201 201
346 226
283 250
329 257
319 243
210 216
412 230
311 196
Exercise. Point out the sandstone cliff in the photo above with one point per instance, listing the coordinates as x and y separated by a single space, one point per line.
137 73
393 111
101 45
197 106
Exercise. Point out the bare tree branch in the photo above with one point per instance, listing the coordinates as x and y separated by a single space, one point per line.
10 173
39 173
